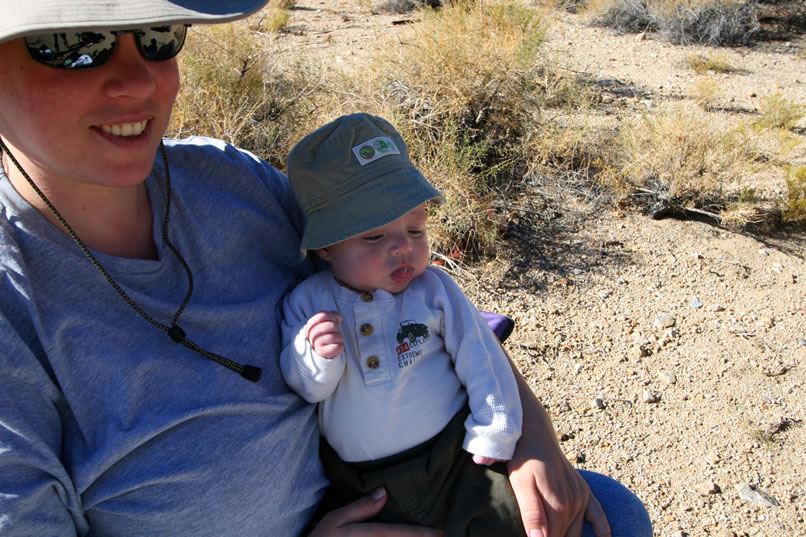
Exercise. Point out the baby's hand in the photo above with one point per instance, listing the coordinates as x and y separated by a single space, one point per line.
324 334
484 461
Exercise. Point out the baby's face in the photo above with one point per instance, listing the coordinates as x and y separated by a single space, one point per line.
388 257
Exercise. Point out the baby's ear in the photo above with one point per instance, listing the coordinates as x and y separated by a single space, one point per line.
323 253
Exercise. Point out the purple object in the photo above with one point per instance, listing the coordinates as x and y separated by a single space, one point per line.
500 324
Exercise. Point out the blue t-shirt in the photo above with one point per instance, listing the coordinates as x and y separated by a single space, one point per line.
108 427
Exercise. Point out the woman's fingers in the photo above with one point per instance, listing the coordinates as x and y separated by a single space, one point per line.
348 521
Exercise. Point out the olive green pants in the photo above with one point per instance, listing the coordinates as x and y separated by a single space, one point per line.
435 484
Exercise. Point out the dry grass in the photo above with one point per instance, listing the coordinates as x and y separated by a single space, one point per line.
778 112
489 119
463 93
795 211
701 64
684 159
232 89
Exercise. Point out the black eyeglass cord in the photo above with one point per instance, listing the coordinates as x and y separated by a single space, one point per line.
175 332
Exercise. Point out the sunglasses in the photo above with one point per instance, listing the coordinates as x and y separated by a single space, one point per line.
83 50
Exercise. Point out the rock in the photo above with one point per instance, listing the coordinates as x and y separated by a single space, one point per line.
650 397
802 341
706 488
751 494
664 320
765 322
599 403
641 351
668 377
696 303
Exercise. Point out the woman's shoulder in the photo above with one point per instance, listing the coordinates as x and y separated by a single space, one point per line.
208 165
201 150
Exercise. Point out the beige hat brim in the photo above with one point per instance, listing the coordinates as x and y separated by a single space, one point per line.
32 17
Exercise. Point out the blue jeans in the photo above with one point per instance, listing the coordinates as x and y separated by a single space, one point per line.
626 514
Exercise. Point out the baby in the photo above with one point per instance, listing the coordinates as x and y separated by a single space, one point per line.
415 393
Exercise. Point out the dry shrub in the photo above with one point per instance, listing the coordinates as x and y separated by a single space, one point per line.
686 161
778 112
707 22
795 211
717 63
705 92
463 92
719 23
232 89
683 158
628 16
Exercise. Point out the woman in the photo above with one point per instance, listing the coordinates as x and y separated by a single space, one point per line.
139 386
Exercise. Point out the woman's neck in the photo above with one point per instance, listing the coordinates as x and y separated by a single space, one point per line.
113 220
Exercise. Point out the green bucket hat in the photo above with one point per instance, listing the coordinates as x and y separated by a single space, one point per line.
351 176
30 17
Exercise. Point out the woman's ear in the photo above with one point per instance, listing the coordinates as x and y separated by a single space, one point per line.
323 253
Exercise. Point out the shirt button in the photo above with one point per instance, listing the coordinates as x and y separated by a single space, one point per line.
366 296
366 330
373 362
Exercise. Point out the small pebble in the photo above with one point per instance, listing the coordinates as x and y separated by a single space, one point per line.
664 320
706 488
669 377
651 397
756 496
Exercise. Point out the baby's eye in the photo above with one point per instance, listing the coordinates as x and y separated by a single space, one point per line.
416 232
373 238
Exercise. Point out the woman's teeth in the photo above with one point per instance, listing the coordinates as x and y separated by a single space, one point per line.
125 129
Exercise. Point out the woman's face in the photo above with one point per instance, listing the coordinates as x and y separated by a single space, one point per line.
96 126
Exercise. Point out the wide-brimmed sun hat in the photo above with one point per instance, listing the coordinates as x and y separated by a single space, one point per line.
351 176
30 17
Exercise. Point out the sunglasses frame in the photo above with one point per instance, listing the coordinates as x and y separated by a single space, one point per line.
35 43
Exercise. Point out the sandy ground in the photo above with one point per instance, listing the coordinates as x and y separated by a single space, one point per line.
670 354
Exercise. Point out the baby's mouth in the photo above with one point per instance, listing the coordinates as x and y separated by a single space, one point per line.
402 273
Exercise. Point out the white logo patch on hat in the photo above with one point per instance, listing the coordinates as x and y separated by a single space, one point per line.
374 149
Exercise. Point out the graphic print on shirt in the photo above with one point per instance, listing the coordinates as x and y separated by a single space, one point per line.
410 336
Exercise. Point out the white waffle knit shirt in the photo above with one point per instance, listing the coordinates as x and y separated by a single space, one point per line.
411 361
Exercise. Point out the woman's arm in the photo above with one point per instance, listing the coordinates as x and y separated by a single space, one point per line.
553 498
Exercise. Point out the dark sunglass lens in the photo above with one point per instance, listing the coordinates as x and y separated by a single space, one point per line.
162 42
74 50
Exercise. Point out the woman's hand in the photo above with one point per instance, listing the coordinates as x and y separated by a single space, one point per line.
347 521
553 498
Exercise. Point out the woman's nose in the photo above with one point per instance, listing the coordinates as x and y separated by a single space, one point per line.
130 74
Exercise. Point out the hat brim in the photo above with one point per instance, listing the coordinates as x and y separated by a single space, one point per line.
378 203
42 16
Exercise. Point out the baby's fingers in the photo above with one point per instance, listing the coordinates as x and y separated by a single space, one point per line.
325 335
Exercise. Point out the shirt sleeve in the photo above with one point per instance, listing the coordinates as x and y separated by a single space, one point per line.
494 425
37 495
313 377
